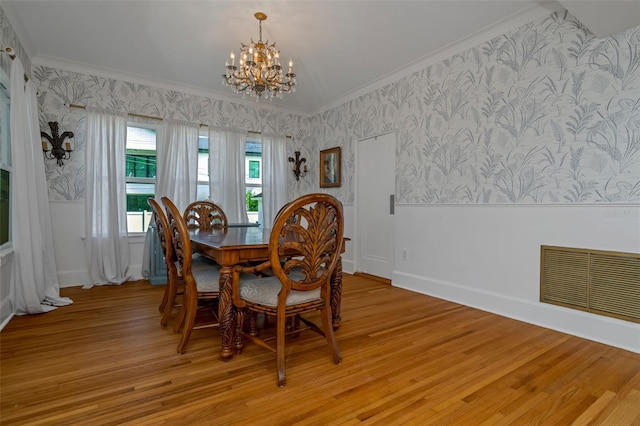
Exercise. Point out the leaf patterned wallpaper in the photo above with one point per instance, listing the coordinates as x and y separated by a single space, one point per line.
544 114
60 87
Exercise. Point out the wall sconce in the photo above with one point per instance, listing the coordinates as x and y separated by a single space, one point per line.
296 165
56 140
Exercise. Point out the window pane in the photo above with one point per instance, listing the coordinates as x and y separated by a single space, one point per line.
5 162
5 133
5 196
202 191
254 169
253 179
138 211
141 165
254 203
203 165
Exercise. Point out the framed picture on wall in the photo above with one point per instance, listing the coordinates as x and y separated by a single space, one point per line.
330 168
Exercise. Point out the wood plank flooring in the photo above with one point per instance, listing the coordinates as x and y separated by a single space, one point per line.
407 359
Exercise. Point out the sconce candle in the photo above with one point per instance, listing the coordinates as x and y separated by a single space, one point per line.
56 140
296 165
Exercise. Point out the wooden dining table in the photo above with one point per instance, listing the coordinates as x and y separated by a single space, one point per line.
231 246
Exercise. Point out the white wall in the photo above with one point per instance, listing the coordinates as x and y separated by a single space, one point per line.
69 245
348 260
68 223
488 257
6 301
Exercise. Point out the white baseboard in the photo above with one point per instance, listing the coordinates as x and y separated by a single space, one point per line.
135 271
610 331
80 277
348 266
6 312
73 278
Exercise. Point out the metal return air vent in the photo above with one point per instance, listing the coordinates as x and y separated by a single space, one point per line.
597 281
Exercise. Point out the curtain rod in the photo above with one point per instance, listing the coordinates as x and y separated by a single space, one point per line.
133 114
9 51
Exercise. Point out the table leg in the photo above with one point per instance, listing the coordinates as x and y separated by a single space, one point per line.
336 295
226 314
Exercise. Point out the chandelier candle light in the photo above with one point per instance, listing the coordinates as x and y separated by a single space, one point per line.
259 69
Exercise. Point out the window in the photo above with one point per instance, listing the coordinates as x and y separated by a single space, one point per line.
5 165
203 165
141 175
254 169
253 173
253 179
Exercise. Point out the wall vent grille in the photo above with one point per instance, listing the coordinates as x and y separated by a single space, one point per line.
597 281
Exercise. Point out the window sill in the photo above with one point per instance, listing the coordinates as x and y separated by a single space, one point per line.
136 237
6 250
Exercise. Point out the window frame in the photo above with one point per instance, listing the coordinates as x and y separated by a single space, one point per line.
6 157
203 134
157 128
249 182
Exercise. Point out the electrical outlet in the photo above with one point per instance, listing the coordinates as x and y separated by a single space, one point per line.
404 254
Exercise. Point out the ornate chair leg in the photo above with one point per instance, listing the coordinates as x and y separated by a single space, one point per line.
253 323
239 329
280 355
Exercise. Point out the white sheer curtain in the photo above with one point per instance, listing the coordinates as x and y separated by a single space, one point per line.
106 200
35 279
274 177
176 171
177 167
227 172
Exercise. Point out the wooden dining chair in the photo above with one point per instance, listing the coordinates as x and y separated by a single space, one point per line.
204 215
310 244
166 243
200 277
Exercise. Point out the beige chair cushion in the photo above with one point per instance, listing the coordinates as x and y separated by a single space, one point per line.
265 292
205 271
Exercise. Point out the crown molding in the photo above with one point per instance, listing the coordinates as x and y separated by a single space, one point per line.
532 13
105 72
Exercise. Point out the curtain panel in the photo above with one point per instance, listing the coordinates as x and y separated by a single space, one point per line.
106 202
177 156
176 172
274 177
35 288
227 172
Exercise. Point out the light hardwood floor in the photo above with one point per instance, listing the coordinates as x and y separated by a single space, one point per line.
407 359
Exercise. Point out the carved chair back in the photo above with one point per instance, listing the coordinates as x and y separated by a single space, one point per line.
204 215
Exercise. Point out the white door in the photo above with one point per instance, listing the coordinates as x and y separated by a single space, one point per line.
376 185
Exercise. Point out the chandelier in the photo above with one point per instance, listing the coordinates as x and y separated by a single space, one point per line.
259 71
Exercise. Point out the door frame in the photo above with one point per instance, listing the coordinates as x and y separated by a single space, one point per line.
358 208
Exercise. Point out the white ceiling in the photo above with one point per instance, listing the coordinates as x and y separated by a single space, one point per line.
339 48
